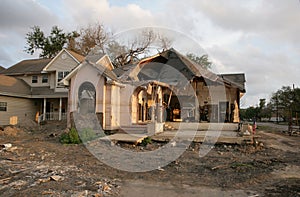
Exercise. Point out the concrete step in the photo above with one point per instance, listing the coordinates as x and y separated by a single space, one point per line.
134 129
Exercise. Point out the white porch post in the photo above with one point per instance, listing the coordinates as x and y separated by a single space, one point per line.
160 106
59 110
44 109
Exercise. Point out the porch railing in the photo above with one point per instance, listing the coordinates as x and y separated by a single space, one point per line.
52 116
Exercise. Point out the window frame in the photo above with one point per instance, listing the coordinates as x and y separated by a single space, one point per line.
34 80
3 106
45 78
64 74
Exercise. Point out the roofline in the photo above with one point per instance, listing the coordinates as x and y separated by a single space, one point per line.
11 94
65 81
64 49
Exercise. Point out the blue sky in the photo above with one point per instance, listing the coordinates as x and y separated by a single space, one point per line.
259 38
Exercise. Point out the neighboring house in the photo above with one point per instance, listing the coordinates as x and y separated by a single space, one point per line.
2 69
40 77
15 100
165 87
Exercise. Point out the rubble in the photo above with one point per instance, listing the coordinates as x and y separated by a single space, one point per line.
11 131
46 167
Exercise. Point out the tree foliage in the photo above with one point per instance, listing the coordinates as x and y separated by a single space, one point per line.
95 35
284 103
48 46
201 60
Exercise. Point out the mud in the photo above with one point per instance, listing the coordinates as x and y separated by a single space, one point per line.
37 164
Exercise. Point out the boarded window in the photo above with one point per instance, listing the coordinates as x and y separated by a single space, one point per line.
45 79
34 79
3 106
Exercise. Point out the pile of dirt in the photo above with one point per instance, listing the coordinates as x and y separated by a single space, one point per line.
11 131
28 125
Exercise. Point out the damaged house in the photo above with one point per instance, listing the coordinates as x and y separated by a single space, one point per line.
166 87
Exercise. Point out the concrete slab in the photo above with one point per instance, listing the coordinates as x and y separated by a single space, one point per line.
125 137
229 137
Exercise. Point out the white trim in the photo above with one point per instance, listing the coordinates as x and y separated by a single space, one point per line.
51 62
65 81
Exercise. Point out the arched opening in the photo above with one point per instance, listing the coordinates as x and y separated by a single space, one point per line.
86 98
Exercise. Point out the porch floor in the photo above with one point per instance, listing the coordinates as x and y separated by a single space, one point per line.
226 137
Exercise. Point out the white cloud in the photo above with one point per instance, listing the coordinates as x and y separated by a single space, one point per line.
259 37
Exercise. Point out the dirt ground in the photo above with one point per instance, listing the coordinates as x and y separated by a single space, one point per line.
37 164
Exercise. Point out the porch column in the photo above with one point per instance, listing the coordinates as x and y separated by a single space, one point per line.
44 109
152 109
59 110
159 106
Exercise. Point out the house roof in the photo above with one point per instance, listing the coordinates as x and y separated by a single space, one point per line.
31 66
2 69
77 56
238 79
170 67
13 86
92 61
121 70
195 69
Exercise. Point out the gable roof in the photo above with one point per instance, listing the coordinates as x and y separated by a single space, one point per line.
178 67
31 66
94 62
75 56
151 67
13 86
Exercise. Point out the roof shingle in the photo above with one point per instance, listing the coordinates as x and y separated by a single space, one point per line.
32 66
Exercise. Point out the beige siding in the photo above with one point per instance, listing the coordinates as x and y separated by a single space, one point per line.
52 80
20 107
28 80
64 62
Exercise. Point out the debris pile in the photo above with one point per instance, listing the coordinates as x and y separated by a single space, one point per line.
11 131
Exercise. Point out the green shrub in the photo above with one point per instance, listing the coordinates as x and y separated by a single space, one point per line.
146 141
87 134
71 137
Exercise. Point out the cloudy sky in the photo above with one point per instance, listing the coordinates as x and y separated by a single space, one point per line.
260 38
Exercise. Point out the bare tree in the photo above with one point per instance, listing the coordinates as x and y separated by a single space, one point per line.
137 48
93 35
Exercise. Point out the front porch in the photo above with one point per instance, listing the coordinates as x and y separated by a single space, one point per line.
228 133
52 109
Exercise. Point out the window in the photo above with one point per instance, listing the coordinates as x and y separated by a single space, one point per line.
34 79
3 106
45 79
61 75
